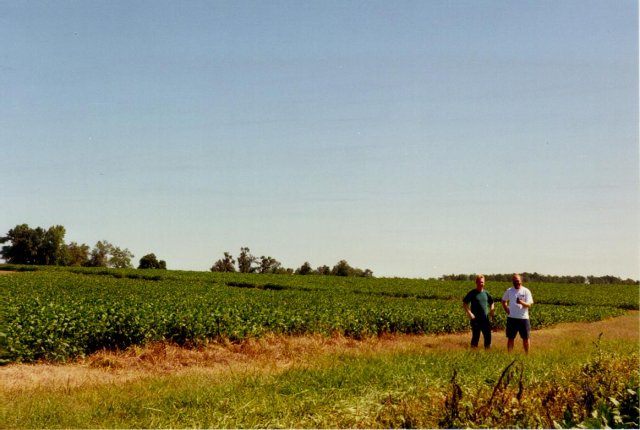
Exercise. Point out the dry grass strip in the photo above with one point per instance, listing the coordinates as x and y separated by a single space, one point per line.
274 354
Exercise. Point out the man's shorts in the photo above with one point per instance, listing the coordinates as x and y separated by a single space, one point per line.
518 326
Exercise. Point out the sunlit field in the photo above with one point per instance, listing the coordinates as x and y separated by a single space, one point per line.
57 315
97 348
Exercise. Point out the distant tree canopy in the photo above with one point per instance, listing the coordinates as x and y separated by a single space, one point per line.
305 269
47 248
247 263
34 246
537 277
77 255
246 260
342 268
595 280
104 254
38 246
269 265
150 261
226 264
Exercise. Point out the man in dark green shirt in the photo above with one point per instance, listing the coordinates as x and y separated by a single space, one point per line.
478 304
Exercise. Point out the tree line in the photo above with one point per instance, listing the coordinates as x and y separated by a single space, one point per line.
537 277
46 247
247 263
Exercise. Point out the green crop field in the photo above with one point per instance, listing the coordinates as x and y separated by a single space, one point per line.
57 314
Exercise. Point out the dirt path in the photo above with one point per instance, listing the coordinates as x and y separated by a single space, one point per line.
275 354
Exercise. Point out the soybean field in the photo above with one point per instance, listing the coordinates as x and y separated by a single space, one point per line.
60 314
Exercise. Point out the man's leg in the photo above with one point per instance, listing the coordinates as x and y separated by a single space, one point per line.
475 333
511 333
486 333
525 334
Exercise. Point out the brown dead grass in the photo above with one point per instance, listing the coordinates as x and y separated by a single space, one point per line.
7 272
275 354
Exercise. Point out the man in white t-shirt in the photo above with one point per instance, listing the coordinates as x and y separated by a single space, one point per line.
516 302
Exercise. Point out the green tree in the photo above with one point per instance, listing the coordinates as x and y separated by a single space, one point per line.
120 258
246 260
104 254
226 264
77 255
367 273
342 268
100 254
305 269
24 245
52 247
150 261
323 270
34 246
268 265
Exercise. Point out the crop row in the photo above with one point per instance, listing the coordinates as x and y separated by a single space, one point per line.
60 315
621 296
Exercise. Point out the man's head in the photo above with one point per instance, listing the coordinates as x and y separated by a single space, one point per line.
517 280
479 282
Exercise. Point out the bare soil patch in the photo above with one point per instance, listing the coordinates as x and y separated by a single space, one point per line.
7 272
275 354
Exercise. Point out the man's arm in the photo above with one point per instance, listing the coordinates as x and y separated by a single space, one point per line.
524 304
505 307
468 311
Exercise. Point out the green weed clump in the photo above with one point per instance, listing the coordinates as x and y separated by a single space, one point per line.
602 394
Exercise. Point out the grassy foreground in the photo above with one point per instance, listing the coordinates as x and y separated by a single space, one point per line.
576 373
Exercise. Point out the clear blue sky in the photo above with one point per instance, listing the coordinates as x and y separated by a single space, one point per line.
414 138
